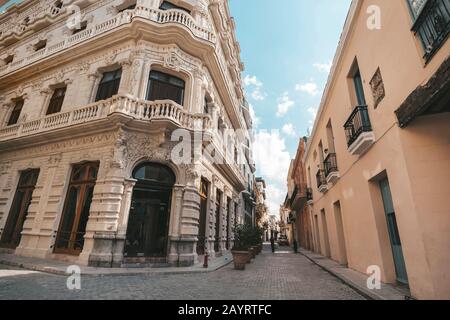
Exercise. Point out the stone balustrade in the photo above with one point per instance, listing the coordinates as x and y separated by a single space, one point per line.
140 110
159 16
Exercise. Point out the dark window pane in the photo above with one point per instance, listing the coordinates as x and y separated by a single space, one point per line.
70 237
84 216
15 114
56 101
359 89
155 173
166 5
162 86
109 85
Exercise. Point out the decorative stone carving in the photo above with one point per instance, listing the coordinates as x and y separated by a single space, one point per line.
377 86
110 59
119 151
55 159
172 61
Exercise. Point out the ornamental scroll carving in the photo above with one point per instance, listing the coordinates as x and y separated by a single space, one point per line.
377 86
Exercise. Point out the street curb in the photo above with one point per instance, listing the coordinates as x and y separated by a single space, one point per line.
364 293
58 272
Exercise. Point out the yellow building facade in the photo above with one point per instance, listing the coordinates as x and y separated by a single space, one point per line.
379 155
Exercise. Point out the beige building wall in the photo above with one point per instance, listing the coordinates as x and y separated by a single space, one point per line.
415 159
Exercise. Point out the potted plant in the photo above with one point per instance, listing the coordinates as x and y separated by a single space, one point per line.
240 248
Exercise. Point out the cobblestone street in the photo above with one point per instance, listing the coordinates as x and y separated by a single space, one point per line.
269 277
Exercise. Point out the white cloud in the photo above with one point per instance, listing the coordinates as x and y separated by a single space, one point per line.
323 67
255 87
257 95
284 104
275 197
271 157
255 118
289 129
272 160
310 88
252 80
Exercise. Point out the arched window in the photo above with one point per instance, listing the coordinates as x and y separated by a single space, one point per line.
109 85
154 173
162 86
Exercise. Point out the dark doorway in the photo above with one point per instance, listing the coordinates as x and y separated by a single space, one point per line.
218 209
148 223
201 244
19 210
229 204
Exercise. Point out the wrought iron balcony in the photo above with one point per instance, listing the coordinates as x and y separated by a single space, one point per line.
330 164
432 24
331 168
321 181
358 130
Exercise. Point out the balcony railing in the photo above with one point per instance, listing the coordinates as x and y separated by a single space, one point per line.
137 109
432 25
309 194
321 179
357 123
177 17
330 164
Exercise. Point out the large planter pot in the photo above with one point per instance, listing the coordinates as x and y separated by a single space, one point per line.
258 249
240 259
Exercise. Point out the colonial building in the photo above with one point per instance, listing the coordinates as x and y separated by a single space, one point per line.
379 155
95 98
295 207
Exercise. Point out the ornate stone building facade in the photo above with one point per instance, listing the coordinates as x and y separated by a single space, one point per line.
92 94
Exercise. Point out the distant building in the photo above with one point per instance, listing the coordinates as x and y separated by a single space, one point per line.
295 210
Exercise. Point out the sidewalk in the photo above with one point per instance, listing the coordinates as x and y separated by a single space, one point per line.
356 280
60 268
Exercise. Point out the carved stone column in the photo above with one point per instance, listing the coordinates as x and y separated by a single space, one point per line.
93 83
175 237
189 221
104 217
119 244
125 87
198 92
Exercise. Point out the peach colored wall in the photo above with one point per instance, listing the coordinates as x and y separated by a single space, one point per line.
416 159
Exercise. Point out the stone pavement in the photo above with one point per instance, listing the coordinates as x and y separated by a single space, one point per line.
356 280
280 276
60 268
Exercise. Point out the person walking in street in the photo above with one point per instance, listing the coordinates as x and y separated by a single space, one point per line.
295 246
272 244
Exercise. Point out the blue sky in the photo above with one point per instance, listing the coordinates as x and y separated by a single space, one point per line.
287 51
